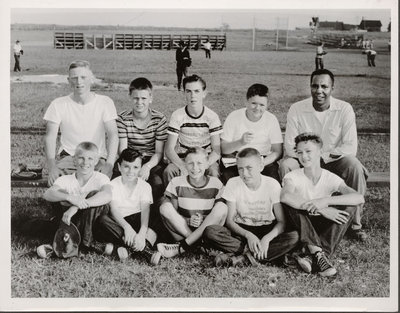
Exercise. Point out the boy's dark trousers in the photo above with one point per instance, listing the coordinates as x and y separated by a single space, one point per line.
181 70
221 238
17 67
371 59
318 230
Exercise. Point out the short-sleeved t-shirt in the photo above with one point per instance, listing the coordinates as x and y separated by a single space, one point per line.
194 131
70 184
254 207
266 130
192 199
144 139
129 203
304 187
80 123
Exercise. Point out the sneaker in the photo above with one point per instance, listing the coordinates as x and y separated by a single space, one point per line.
358 234
305 262
122 253
325 268
103 248
223 259
45 251
153 257
226 259
169 250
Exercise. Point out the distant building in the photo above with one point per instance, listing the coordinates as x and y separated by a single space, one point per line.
371 25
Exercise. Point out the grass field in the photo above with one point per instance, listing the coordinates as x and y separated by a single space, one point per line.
363 268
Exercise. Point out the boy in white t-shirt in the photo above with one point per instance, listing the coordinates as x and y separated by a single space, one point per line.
81 116
320 217
129 226
253 126
192 202
255 224
82 197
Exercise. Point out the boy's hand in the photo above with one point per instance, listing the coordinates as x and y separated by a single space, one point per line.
78 201
314 206
262 255
196 220
247 137
129 235
139 242
254 243
144 172
54 173
106 168
335 215
66 218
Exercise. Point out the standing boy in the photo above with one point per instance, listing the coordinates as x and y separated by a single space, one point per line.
80 116
192 202
82 197
320 217
255 223
207 48
371 54
194 125
17 49
129 225
319 58
254 127
144 130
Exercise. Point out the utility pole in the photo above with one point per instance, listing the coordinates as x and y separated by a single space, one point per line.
254 33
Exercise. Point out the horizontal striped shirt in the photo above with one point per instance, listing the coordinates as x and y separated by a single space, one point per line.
194 131
142 140
191 199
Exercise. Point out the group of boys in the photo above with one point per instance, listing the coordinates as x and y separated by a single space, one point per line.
250 220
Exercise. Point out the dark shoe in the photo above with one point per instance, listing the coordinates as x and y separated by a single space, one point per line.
103 248
324 267
153 257
223 259
358 234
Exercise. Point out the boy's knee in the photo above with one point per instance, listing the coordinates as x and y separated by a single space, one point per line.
220 212
210 232
353 164
166 209
287 165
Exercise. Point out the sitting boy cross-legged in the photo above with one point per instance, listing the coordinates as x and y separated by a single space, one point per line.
255 223
128 225
192 202
320 217
82 197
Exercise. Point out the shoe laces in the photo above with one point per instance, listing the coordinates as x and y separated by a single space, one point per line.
173 246
322 261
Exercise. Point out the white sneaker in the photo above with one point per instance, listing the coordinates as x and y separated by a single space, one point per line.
168 250
122 253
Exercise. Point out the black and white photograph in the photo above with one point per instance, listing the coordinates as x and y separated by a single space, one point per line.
234 156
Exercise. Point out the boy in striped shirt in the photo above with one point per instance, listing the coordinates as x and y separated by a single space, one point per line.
192 202
191 126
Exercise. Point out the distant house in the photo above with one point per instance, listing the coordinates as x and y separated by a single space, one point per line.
349 27
371 25
331 25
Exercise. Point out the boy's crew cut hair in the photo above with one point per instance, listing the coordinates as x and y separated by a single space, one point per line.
323 72
248 152
129 155
79 63
86 146
195 150
257 90
308 137
192 79
140 83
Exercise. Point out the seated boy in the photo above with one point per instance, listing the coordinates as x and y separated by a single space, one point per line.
192 202
255 223
255 127
307 192
128 225
82 197
195 125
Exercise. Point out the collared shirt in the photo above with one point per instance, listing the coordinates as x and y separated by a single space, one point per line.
338 130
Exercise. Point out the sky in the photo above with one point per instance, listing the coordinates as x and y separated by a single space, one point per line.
200 18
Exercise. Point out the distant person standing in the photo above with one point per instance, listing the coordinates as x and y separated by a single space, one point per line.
207 48
17 48
183 61
371 54
319 61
